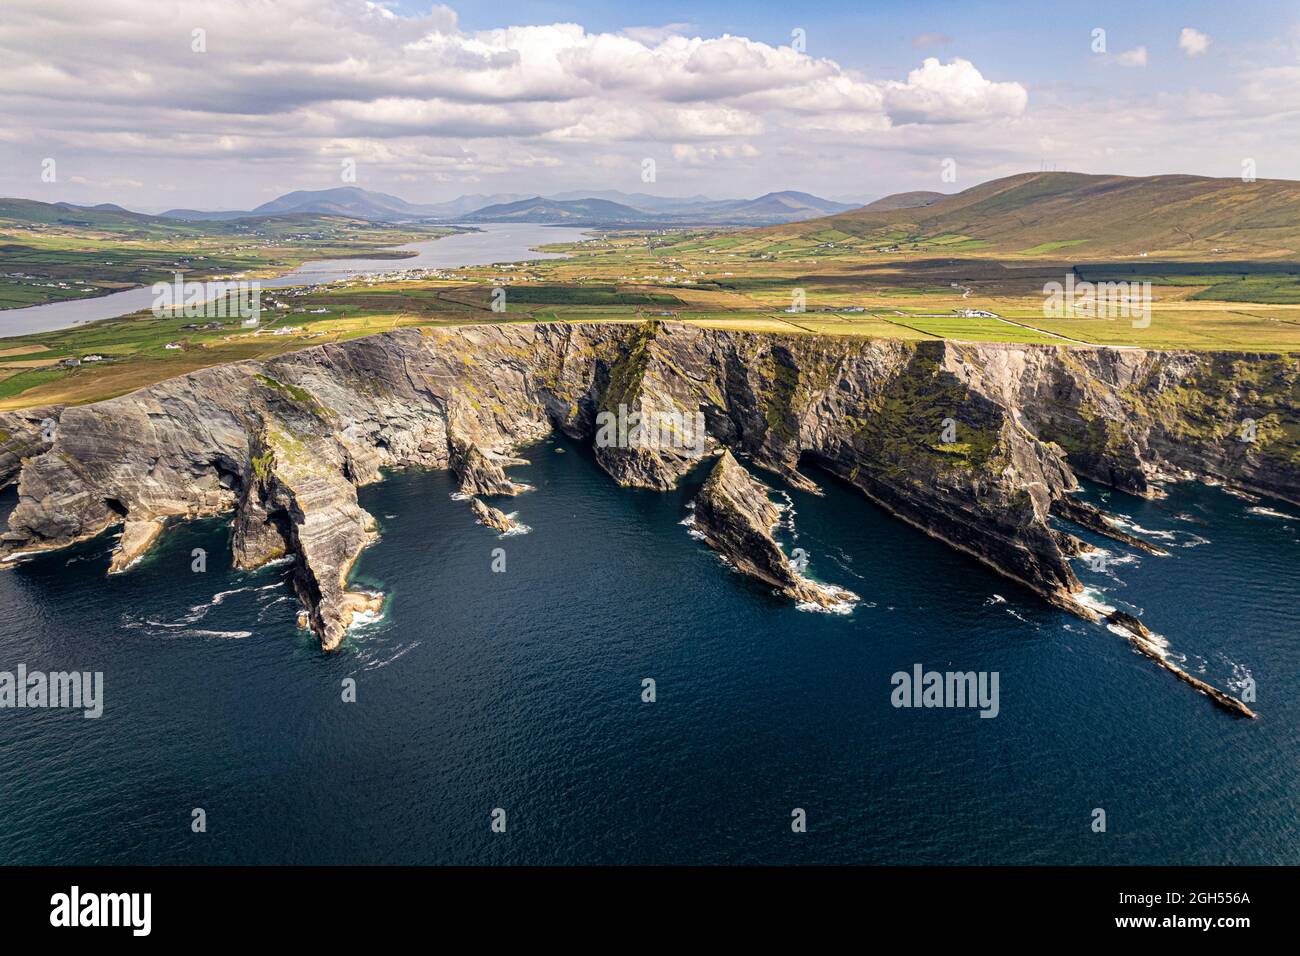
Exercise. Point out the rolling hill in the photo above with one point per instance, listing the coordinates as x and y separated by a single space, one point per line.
594 208
787 206
912 200
586 212
642 210
1073 215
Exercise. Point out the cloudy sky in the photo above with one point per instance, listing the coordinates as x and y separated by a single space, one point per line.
228 103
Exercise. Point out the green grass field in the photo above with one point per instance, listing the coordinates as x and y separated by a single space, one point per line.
716 279
49 254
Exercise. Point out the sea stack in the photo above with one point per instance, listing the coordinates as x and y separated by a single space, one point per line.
736 517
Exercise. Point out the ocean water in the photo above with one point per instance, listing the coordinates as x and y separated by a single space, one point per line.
522 691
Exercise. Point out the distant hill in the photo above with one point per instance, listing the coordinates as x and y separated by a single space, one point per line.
601 207
200 215
341 201
107 218
576 211
910 200
1073 214
351 201
101 207
467 204
782 207
1064 215
770 208
643 201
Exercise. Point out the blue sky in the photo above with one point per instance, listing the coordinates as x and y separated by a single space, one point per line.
430 102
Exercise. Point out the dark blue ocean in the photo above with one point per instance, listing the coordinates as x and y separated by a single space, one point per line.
522 690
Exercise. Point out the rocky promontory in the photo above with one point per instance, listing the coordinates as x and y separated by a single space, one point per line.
736 518
976 445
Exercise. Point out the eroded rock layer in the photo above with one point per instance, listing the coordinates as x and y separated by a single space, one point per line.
976 445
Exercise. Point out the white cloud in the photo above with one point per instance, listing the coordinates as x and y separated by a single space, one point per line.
692 155
114 91
347 61
117 83
1193 42
952 93
1134 57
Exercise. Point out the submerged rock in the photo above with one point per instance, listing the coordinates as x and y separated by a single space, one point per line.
736 518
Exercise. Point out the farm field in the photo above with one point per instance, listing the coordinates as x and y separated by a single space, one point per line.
66 254
725 280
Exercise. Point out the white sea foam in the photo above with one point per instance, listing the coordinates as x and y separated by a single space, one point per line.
1238 493
689 522
1126 523
1270 513
401 651
518 529
1092 599
1155 642
836 607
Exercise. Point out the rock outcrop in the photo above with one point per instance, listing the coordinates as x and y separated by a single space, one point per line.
736 517
478 472
1095 520
1143 641
136 539
25 434
976 445
1129 623
492 517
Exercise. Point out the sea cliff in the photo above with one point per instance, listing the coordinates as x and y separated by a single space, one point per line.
977 445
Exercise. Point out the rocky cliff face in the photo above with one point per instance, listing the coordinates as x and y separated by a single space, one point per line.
977 445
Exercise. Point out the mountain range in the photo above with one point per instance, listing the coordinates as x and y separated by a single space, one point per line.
599 208
1088 215
1065 214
